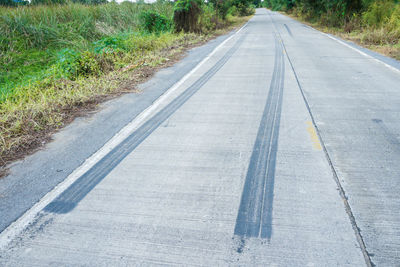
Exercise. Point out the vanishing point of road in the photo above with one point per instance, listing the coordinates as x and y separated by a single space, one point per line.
275 145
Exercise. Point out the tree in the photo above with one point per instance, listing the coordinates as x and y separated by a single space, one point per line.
221 7
186 15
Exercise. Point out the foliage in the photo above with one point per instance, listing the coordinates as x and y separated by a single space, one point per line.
55 58
155 22
244 7
378 13
221 7
209 19
198 15
68 62
32 38
375 23
110 44
348 14
73 64
13 3
186 15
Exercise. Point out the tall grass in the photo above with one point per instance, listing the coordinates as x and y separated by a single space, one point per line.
31 37
55 60
374 23
381 24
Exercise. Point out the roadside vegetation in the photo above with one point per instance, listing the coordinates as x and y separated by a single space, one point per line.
371 23
60 58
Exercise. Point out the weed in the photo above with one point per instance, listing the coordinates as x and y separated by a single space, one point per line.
55 60
154 22
378 13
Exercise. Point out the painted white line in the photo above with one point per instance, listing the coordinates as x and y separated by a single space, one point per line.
20 224
345 44
361 52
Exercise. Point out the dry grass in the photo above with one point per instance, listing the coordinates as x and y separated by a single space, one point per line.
34 112
379 40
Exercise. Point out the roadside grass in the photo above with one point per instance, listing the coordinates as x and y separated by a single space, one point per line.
32 36
377 28
67 81
378 40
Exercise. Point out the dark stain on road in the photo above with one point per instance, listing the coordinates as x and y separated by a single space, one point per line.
254 218
288 30
68 200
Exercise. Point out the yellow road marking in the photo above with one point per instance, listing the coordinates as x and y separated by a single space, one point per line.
313 136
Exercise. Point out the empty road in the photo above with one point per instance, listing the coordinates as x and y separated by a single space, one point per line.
280 148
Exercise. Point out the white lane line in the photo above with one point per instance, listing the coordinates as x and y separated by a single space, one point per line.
20 224
349 46
360 52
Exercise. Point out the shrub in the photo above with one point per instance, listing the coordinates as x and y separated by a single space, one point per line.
244 7
88 65
110 44
152 21
244 10
68 62
186 15
378 13
208 19
394 21
221 7
73 64
233 11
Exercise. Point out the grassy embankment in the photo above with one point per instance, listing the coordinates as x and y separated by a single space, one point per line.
57 61
375 26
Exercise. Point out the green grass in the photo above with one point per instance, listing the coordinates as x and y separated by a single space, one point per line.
58 60
377 27
32 37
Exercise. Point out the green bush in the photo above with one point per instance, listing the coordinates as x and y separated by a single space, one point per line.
233 11
110 44
152 21
244 10
221 7
244 7
378 13
68 62
393 23
208 19
73 64
88 65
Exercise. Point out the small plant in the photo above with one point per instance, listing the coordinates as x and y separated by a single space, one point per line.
68 62
73 64
109 45
88 64
154 22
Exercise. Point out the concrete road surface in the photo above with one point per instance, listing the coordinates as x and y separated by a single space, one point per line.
281 148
